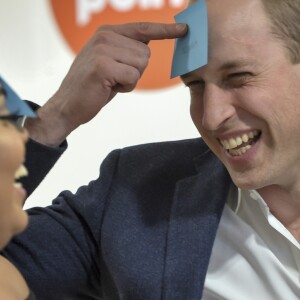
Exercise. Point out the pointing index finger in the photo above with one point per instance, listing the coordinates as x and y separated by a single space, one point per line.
147 31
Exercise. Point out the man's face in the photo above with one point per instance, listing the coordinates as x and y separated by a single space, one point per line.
247 99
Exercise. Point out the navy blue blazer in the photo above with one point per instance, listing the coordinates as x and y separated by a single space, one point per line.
144 229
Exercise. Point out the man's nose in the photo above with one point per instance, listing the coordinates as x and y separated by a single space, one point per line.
217 107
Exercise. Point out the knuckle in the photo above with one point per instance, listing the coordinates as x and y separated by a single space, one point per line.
103 65
142 59
100 68
142 29
147 52
143 52
167 29
132 75
144 63
102 37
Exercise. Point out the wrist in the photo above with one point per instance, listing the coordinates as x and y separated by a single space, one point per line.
49 127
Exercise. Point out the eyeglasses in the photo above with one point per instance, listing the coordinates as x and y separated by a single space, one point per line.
11 118
11 102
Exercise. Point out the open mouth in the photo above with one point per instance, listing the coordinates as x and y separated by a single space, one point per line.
21 172
241 144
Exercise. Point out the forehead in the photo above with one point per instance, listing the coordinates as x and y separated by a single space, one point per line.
239 40
236 21
239 32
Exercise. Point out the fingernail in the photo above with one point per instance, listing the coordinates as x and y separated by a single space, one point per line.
181 27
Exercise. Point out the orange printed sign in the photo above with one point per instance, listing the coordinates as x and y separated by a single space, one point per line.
79 19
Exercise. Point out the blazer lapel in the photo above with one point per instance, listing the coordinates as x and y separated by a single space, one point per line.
196 211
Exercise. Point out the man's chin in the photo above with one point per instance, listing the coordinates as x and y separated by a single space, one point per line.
245 180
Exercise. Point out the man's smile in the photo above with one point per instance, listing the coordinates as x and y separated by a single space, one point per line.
240 144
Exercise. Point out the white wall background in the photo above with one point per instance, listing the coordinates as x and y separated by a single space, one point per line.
34 58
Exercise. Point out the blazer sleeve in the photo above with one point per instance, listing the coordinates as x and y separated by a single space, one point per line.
59 252
39 161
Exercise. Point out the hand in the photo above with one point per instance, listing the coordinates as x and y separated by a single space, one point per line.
112 61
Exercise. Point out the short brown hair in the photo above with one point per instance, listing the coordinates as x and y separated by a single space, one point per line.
284 16
285 23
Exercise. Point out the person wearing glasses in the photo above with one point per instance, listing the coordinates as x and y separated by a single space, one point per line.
13 219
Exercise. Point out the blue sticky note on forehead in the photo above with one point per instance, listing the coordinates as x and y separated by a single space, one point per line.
13 103
191 51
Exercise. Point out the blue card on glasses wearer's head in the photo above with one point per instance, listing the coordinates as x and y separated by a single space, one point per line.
191 51
13 103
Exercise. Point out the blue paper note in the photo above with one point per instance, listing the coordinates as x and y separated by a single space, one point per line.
14 104
191 51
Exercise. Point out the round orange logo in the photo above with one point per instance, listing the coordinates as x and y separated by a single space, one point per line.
79 19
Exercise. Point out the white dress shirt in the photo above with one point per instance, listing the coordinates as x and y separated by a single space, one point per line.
254 256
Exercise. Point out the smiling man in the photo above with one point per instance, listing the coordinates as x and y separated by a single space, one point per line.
245 104
210 218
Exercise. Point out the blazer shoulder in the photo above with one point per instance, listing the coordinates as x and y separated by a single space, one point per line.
171 158
189 148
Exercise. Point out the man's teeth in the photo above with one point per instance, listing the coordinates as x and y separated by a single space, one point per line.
240 151
21 172
233 144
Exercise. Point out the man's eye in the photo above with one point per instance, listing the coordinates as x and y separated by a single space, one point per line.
195 83
238 79
240 74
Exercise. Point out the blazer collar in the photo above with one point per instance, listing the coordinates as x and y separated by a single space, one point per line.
197 207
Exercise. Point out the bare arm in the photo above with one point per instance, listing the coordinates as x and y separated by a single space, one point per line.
112 61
